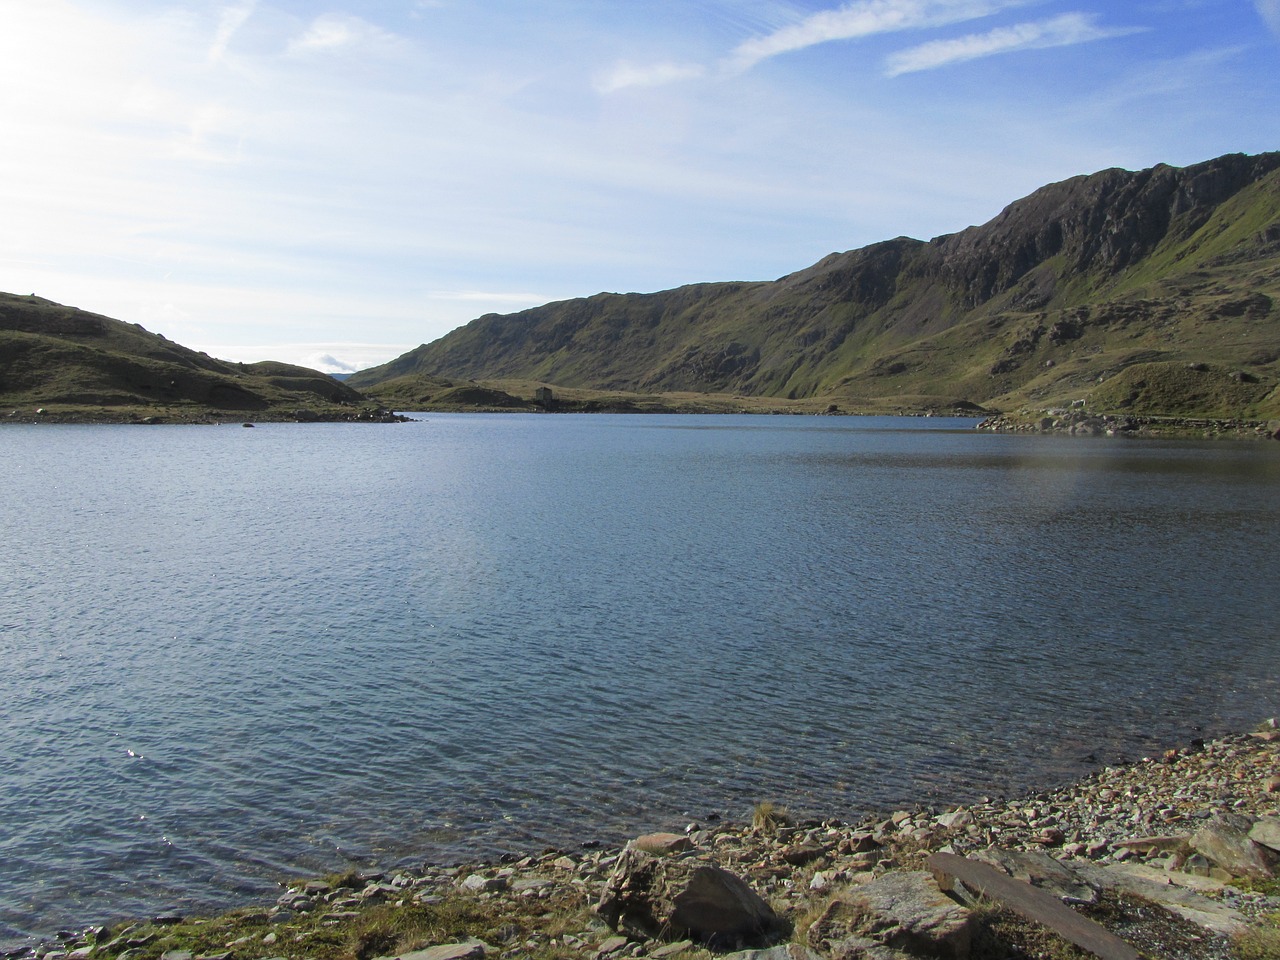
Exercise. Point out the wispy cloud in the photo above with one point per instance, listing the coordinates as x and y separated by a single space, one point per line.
627 74
229 22
1063 31
861 19
1269 10
332 32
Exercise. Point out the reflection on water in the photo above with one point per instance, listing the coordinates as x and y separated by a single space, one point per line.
235 656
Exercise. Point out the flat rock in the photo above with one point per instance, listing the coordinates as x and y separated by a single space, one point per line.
904 911
1187 904
466 950
1205 885
662 843
1171 843
786 951
1040 870
985 881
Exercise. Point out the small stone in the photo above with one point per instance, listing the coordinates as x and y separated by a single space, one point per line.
801 853
611 946
671 949
479 883
954 821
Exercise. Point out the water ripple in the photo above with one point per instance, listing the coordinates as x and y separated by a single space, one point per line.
233 660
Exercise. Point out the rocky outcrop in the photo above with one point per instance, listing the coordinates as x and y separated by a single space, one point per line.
905 911
673 898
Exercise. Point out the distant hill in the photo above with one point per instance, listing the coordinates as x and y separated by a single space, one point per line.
1153 291
76 365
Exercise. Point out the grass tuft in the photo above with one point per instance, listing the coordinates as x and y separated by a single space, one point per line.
767 817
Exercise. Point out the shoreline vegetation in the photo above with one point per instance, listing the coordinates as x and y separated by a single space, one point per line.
1176 855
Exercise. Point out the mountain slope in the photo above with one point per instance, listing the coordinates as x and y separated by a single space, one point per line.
80 365
1072 284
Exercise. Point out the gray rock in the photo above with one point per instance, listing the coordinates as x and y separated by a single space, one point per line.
466 950
1225 841
664 899
671 949
786 951
902 911
1040 870
1267 832
1200 910
479 883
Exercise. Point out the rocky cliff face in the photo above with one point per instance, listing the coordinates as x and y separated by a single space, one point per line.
1162 236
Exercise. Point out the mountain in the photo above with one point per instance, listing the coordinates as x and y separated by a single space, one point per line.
76 365
1155 290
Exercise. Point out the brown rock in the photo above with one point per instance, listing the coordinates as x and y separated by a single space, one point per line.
801 853
662 843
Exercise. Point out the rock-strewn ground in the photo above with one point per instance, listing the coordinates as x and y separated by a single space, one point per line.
1080 423
1158 851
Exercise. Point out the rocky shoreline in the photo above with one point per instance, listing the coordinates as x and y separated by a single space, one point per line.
1177 855
1078 422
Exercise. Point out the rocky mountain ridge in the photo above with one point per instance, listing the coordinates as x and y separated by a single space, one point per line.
1063 289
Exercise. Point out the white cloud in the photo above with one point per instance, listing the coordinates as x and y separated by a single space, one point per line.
861 19
626 74
1269 10
332 32
1067 30
229 22
328 363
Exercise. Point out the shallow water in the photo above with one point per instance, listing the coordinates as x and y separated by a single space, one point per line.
234 656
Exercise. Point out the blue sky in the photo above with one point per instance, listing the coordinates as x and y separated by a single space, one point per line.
334 183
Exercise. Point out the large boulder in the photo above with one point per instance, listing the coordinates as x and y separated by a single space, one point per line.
1224 839
901 911
669 898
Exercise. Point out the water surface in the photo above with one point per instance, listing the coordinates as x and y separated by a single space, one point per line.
230 657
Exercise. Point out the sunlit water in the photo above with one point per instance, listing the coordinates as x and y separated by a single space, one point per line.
230 657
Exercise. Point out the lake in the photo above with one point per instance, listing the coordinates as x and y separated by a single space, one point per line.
230 657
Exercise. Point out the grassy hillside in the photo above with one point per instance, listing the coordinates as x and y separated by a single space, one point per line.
74 365
1059 294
